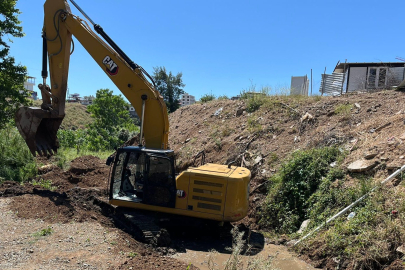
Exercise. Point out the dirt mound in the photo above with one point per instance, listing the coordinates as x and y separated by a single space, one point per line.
69 195
367 125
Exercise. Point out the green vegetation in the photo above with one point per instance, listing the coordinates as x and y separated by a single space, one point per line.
169 86
370 238
76 117
253 125
207 97
16 161
112 126
44 232
343 109
132 254
288 202
65 155
12 75
47 184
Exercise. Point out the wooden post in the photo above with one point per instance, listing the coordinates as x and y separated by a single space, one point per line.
344 73
311 81
323 82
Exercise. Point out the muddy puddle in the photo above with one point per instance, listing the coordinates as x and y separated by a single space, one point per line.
281 258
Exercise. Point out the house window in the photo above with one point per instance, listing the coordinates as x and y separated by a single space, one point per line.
382 77
377 77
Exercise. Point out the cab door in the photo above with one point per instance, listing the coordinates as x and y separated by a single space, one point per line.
160 184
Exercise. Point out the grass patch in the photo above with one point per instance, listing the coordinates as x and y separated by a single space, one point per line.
253 124
343 109
46 184
44 232
368 240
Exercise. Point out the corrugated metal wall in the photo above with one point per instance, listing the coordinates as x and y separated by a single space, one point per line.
331 84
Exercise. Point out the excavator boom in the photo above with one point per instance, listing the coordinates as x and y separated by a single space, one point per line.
39 126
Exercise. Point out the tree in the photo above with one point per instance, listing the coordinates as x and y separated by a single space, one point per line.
169 86
109 111
112 124
12 75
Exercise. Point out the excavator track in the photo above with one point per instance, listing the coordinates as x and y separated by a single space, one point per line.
145 227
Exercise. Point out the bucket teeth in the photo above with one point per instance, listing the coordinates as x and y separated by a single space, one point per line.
39 128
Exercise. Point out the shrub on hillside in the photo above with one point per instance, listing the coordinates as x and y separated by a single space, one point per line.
287 202
16 160
207 97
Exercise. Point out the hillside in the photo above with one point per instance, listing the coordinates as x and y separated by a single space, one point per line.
261 134
76 115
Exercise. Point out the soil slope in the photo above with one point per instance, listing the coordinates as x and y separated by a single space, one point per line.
367 125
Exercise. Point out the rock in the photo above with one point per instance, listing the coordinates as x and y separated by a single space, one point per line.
307 117
291 242
304 225
187 140
357 105
239 112
394 165
46 168
401 249
370 154
258 159
402 137
384 159
362 165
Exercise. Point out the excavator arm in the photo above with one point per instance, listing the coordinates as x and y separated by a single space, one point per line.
39 126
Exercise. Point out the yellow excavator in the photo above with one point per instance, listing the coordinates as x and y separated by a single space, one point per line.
143 177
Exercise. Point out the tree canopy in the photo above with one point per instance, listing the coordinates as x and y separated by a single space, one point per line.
169 86
12 75
109 111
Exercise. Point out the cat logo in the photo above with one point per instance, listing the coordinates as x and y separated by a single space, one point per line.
110 66
181 194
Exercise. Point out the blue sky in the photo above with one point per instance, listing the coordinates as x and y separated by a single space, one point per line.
223 47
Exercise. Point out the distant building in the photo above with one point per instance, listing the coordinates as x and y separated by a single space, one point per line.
86 102
367 76
299 85
74 98
187 99
29 86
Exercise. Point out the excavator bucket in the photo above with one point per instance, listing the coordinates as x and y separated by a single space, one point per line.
39 128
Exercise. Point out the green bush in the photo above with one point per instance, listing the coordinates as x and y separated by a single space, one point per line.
16 160
95 138
207 97
290 190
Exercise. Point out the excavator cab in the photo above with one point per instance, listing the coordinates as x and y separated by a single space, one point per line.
145 176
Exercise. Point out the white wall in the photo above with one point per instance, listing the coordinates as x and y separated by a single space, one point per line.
357 78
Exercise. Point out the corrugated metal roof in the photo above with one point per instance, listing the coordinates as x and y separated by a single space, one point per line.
369 64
